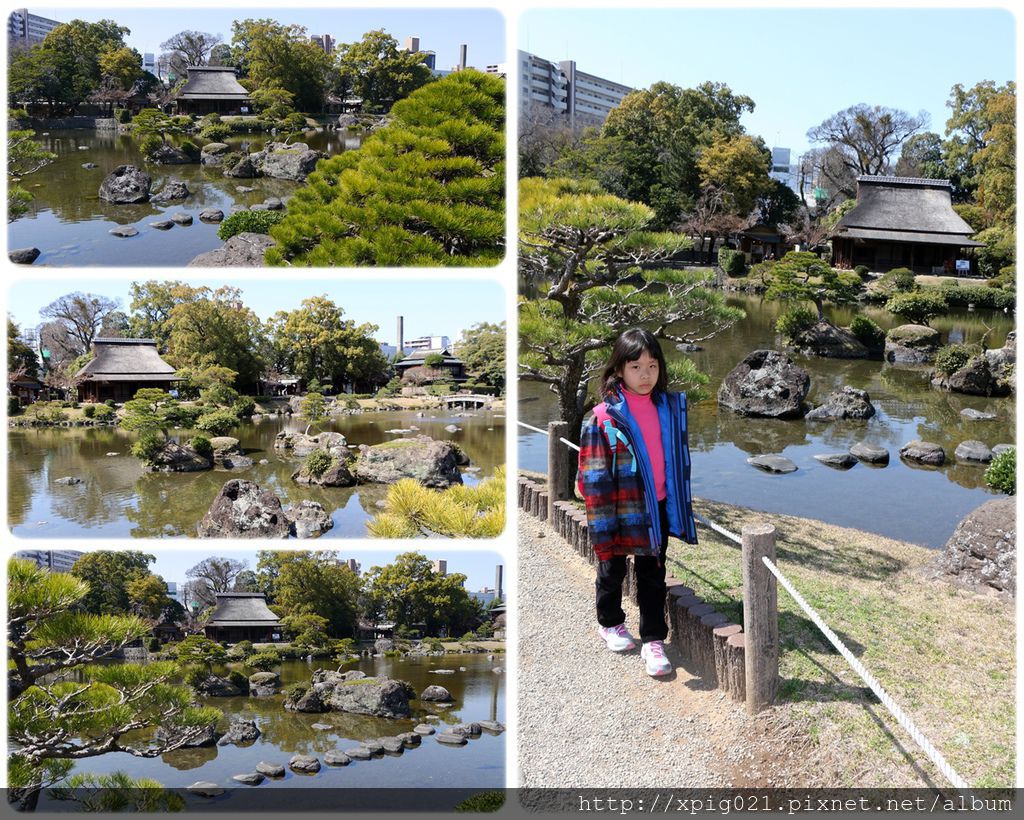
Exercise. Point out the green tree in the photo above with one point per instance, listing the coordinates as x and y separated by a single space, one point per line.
53 720
24 156
154 122
312 583
122 65
213 575
380 73
33 77
151 306
21 359
981 130
149 411
482 349
918 307
922 157
108 575
802 276
147 596
426 190
273 103
313 407
739 167
306 629
409 592
589 268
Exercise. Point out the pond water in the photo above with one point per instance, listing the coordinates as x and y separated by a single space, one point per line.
71 225
478 693
910 503
118 498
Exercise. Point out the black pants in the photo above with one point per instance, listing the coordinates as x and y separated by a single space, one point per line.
650 589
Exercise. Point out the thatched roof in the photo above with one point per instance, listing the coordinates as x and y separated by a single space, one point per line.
212 82
126 360
905 209
242 609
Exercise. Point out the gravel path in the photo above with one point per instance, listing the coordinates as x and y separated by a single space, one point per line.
588 717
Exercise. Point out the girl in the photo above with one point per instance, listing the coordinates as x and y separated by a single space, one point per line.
635 478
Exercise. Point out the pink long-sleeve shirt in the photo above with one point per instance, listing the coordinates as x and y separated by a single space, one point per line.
646 415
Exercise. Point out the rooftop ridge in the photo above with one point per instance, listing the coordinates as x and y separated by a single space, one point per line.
885 180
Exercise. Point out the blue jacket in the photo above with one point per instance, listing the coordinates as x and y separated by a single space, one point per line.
616 474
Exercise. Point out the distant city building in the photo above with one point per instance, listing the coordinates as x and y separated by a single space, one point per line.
149 63
53 560
325 41
412 45
426 343
440 566
25 30
783 169
584 99
352 564
488 595
172 591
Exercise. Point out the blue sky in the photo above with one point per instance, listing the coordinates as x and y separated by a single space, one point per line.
799 65
439 30
431 306
477 566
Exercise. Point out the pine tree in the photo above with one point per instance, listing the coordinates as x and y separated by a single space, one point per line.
427 190
54 719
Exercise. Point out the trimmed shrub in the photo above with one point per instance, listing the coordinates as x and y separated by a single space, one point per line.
434 644
903 279
149 144
239 680
215 132
195 675
867 332
122 115
102 412
293 122
217 423
795 321
862 271
110 403
1007 278
13 405
918 307
244 407
294 693
951 358
733 262
1002 472
147 447
242 649
201 444
318 462
183 415
979 296
219 394
48 412
264 661
89 411
190 149
248 222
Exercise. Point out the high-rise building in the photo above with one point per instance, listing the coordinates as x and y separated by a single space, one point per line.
325 41
25 30
783 169
149 62
427 343
53 560
584 99
440 566
412 45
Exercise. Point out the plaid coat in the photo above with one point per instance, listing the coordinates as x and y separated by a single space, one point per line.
617 482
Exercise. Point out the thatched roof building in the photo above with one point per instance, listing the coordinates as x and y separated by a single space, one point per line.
243 616
120 367
212 89
902 222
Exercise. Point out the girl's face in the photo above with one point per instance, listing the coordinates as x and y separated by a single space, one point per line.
640 376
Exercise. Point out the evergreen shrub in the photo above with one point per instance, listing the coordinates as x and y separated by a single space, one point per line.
201 444
249 222
102 412
952 358
148 446
795 321
867 332
1002 472
318 462
217 423
89 411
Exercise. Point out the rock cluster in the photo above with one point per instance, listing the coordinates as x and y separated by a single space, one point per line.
765 384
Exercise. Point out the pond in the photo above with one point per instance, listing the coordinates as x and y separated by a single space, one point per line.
478 693
909 503
71 225
119 498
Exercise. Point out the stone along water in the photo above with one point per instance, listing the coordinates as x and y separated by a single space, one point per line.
478 693
911 503
118 498
71 225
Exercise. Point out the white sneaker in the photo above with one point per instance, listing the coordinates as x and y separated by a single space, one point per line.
617 638
653 654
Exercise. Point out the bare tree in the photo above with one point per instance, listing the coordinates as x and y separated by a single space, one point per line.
81 315
213 575
193 47
868 136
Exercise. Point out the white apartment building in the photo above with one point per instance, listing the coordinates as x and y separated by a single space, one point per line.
53 560
585 99
426 343
25 30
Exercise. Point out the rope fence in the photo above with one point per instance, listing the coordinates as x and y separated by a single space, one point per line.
743 660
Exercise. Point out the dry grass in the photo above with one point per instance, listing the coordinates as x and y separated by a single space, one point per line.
945 655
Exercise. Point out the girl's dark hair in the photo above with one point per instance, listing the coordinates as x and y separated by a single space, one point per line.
628 348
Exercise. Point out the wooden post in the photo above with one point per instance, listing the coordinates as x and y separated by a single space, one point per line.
559 473
720 635
760 617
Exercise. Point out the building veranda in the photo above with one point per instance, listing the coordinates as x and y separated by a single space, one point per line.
120 368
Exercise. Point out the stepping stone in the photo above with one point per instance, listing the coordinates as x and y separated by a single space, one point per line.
466 729
839 461
204 788
410 739
250 779
973 451
423 729
772 464
321 726
336 758
23 256
492 726
359 753
88 165
162 225
124 231
375 746
182 218
451 739
977 415
211 215
999 449
395 745
870 453
304 764
923 452
270 769
443 671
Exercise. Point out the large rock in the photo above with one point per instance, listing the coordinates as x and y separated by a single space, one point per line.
243 509
974 379
380 697
982 551
838 461
215 686
127 184
311 701
223 446
923 452
240 732
337 758
845 403
1001 360
250 778
766 383
177 458
309 519
432 463
304 764
973 450
436 694
298 444
824 339
772 464
337 475
911 344
245 168
207 737
213 153
264 684
382 645
23 256
211 215
243 250
173 190
169 155
270 769
870 453
281 161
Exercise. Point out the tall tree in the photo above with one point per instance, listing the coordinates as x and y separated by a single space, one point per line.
193 47
21 359
482 349
108 575
593 264
868 136
81 315
738 166
216 574
313 583
922 157
379 72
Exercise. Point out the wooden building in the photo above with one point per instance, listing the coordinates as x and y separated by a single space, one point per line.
760 242
414 368
243 616
903 222
212 89
120 368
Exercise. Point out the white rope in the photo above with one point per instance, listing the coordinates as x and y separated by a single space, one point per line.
531 427
717 528
934 755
